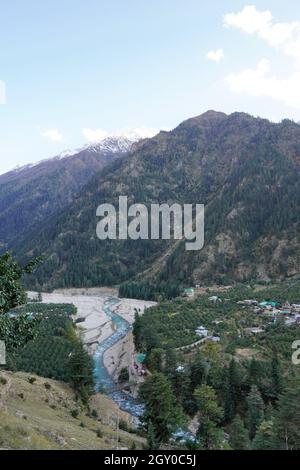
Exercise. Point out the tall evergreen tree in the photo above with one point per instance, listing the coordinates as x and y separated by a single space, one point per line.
170 363
155 360
264 438
233 385
161 409
210 416
239 435
255 412
152 442
199 371
287 420
137 330
254 373
277 379
81 372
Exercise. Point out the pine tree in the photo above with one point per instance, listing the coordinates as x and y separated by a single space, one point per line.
287 419
255 412
170 362
264 438
182 386
199 371
254 374
152 442
239 435
155 360
81 372
233 385
161 409
210 416
276 374
137 328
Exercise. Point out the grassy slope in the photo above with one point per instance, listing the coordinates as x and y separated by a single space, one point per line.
33 417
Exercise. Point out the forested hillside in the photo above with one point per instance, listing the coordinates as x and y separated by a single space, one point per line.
238 384
244 169
29 196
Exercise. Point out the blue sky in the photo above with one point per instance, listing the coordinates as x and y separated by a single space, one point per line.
74 67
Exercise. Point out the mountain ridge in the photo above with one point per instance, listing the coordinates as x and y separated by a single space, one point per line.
244 169
34 192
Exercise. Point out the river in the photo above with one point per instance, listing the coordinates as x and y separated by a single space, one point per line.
91 308
104 381
102 378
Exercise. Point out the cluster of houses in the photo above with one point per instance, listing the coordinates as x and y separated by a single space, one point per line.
290 313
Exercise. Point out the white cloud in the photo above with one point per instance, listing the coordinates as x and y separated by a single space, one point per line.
260 82
2 92
94 135
53 134
283 36
97 135
215 56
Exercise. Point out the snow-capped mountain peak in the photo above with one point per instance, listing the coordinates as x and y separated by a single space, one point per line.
119 142
113 144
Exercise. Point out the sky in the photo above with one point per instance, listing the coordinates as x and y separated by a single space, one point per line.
72 71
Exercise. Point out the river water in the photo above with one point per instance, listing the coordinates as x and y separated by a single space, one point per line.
104 381
102 378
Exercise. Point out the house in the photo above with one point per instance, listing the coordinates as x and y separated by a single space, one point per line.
189 292
289 321
285 311
201 331
214 298
270 303
255 330
215 339
272 312
248 302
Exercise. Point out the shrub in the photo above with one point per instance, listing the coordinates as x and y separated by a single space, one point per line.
123 425
74 413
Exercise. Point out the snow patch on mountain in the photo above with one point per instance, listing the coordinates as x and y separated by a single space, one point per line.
120 142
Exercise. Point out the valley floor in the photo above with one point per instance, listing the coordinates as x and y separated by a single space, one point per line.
97 326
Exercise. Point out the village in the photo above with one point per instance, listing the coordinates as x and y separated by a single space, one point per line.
271 311
268 312
274 311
